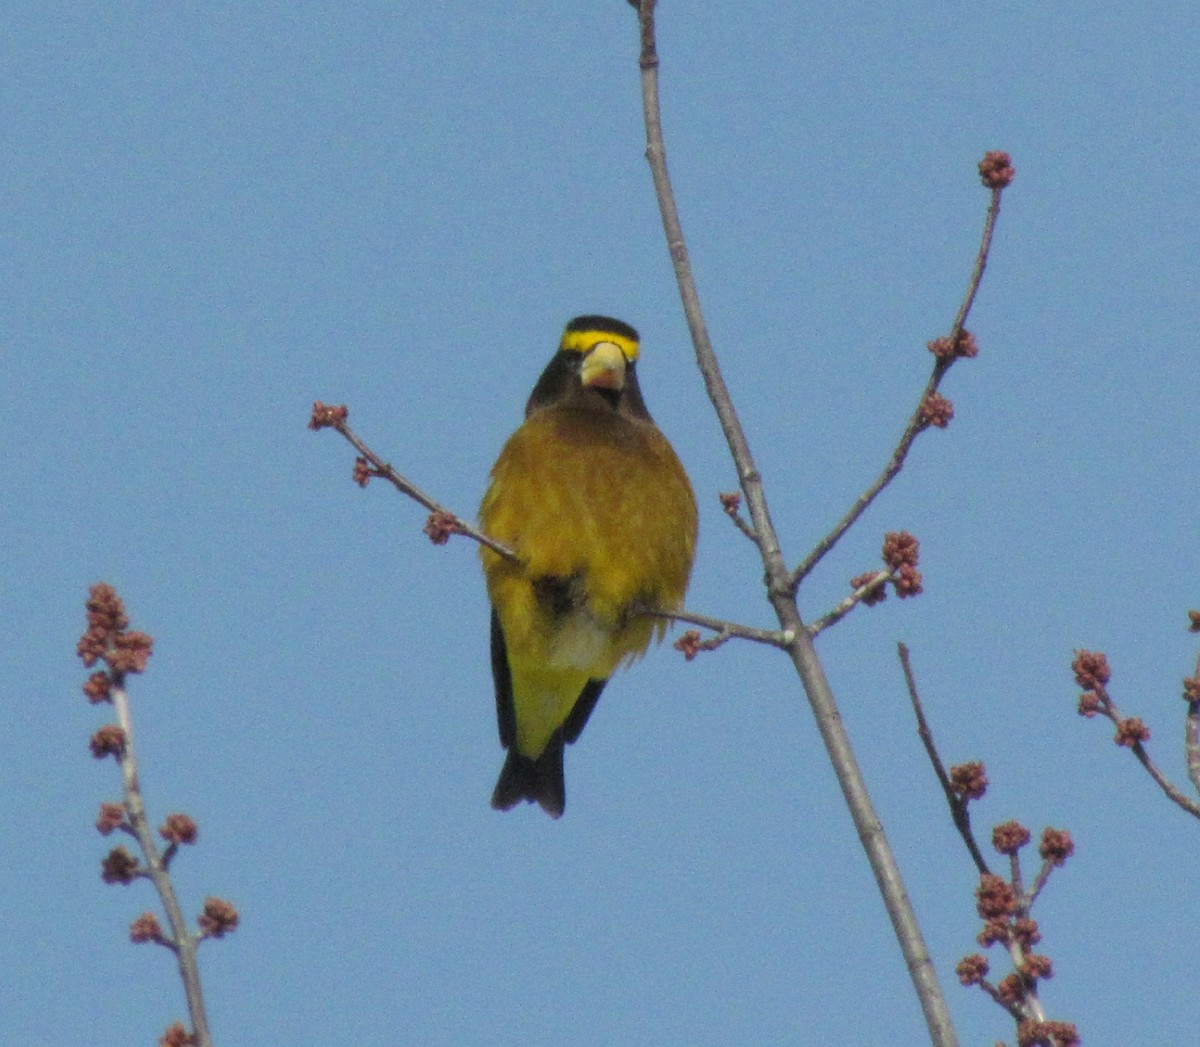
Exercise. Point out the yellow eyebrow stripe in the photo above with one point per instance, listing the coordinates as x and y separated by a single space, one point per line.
584 341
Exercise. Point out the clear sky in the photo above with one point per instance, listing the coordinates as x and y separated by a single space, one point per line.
214 214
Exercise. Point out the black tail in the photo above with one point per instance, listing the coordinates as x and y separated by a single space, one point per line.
536 781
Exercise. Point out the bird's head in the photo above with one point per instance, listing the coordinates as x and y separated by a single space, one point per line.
597 355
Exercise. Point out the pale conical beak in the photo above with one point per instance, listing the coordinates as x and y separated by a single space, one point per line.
604 367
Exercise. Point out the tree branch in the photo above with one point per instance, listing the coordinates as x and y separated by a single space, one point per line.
727 629
959 812
442 522
1092 674
1172 791
1191 734
780 590
749 478
109 640
917 422
182 942
863 592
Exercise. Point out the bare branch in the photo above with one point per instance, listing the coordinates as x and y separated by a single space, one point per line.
919 420
1092 674
109 640
748 476
726 629
780 590
1039 882
959 812
181 941
731 503
442 522
863 592
1164 783
1191 730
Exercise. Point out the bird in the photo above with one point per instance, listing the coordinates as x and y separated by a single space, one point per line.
597 507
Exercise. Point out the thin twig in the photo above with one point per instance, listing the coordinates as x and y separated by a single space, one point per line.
731 503
780 591
1038 883
749 478
1014 1009
1029 1006
741 524
916 423
1109 708
1191 736
1164 783
325 417
959 812
849 603
1015 877
981 260
728 630
182 942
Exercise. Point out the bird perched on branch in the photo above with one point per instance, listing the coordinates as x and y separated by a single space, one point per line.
596 505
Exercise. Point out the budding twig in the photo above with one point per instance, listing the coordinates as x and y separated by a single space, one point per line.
1092 674
959 811
442 521
1004 905
861 594
932 409
108 640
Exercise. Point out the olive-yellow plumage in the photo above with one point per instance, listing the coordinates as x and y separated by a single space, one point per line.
592 499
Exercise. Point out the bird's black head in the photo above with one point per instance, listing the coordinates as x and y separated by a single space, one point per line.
597 354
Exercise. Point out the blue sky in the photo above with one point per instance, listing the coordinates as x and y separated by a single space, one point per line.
214 215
